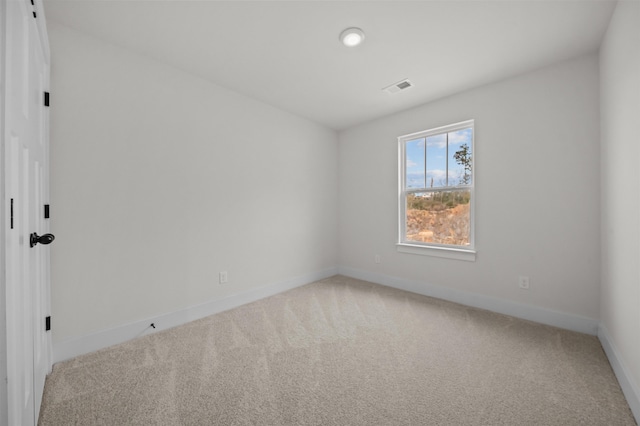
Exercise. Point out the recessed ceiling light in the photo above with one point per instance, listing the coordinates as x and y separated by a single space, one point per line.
352 37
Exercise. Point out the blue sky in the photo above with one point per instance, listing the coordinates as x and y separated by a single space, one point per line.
436 159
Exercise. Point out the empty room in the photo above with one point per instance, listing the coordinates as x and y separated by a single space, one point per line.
320 212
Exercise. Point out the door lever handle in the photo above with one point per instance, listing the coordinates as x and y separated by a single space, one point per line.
42 239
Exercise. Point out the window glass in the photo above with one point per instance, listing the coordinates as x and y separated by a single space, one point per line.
436 161
460 157
415 163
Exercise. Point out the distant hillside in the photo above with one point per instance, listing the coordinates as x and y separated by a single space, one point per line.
446 226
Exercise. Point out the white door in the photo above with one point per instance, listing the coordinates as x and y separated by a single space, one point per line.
26 192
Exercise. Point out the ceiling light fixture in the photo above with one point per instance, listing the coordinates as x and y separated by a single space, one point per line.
352 37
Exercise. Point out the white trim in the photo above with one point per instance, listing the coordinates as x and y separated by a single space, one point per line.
105 338
435 251
630 389
437 130
507 307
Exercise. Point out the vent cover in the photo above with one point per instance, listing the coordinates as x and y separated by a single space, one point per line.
399 86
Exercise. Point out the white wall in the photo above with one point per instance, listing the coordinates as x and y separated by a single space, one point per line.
160 180
537 189
620 112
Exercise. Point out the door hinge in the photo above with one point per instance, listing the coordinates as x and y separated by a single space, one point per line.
47 323
46 99
12 213
46 211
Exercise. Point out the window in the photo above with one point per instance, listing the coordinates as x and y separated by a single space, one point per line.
436 192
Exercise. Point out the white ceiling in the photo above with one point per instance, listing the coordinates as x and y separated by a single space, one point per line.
287 53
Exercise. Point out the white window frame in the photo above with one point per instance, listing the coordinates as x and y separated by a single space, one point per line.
467 253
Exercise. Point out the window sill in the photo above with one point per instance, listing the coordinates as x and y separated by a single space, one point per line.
444 252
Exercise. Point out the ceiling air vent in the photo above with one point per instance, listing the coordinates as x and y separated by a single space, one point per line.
399 86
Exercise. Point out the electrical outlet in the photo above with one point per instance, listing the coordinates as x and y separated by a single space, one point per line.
376 258
523 282
224 277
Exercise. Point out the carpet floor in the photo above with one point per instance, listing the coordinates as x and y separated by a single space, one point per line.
343 352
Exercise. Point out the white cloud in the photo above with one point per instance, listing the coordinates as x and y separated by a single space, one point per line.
436 174
455 138
438 141
459 137
420 143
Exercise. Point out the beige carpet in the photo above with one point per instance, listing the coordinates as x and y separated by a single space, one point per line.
343 352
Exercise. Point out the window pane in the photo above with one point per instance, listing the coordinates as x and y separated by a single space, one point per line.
415 163
460 158
439 217
437 161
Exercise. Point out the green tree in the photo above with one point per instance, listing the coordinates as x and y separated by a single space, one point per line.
463 157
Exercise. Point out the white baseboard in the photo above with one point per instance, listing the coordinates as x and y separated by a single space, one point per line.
630 388
105 338
528 312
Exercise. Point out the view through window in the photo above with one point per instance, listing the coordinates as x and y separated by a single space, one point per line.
436 189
